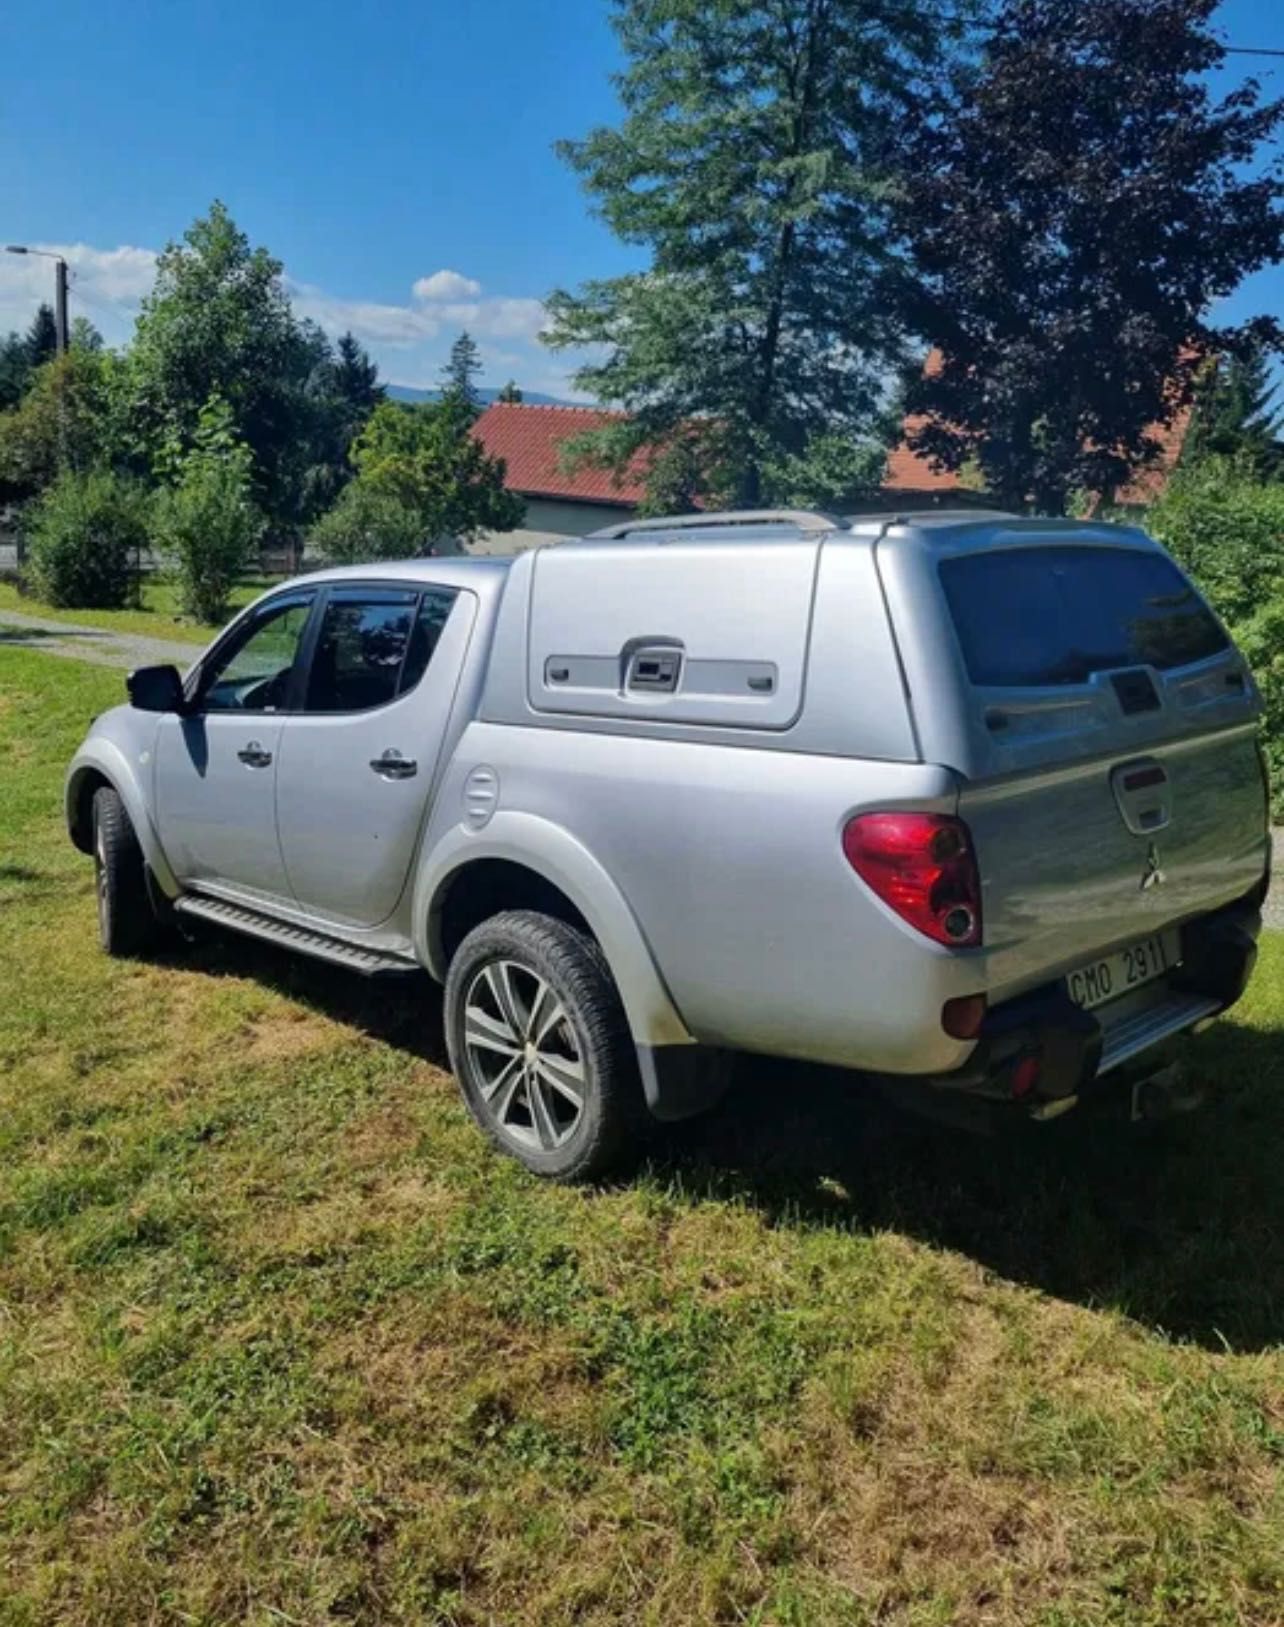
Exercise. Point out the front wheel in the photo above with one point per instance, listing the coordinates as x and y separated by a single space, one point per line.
127 920
541 1048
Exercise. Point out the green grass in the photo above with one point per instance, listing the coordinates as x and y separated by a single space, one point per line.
158 616
282 1341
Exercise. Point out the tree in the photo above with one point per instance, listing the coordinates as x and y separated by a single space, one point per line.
367 524
22 354
510 394
341 393
206 525
1236 416
67 420
86 532
218 323
1074 212
1261 641
15 370
42 337
356 380
459 375
84 335
426 458
1226 527
753 163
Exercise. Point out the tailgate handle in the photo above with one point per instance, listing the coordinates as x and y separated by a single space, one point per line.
1142 779
1144 794
654 668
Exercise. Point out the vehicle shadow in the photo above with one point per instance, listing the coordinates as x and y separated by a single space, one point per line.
1179 1226
404 1012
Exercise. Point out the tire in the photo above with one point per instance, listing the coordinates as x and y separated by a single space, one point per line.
127 923
541 1048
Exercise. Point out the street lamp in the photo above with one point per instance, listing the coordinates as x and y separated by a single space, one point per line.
60 287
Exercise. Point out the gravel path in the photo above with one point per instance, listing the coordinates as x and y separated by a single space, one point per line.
106 649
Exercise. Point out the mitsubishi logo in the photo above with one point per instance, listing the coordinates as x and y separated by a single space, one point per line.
1152 875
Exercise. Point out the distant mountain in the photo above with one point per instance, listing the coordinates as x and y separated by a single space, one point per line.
405 392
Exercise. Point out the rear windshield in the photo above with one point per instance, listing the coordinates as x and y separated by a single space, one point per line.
1058 615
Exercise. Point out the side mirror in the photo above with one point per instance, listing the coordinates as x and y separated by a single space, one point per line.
155 689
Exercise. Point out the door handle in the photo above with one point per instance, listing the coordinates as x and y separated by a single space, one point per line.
393 766
253 755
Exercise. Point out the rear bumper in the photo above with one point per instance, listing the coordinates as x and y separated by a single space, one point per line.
1075 1049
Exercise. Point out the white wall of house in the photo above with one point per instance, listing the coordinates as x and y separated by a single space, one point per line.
550 519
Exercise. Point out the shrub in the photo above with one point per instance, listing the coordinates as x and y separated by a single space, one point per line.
1226 526
366 524
207 526
1261 638
85 534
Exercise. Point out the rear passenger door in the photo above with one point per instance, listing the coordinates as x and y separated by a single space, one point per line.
356 763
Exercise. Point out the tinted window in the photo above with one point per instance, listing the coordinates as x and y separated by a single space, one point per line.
1059 615
357 662
374 647
252 673
434 609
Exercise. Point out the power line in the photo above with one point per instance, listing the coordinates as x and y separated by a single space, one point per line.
1252 50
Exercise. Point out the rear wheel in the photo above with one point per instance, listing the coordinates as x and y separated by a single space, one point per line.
541 1048
127 921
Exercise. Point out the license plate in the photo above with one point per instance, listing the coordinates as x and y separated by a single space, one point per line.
1127 969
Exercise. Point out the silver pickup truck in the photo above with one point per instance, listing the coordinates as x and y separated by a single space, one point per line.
973 804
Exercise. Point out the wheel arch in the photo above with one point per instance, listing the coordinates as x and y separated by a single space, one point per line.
546 868
101 763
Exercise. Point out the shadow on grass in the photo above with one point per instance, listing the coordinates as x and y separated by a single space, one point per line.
1180 1226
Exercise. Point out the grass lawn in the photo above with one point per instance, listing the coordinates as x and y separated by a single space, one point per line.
281 1341
158 617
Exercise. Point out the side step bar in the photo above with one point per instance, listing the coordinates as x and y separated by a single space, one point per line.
369 962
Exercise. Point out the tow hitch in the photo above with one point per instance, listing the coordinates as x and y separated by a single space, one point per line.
1155 1097
1163 1095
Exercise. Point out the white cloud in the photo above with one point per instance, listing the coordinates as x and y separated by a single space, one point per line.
409 341
107 285
372 322
446 285
498 316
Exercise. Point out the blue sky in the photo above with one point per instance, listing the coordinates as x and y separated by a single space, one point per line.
397 157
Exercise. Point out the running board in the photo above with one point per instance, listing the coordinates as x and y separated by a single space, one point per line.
254 924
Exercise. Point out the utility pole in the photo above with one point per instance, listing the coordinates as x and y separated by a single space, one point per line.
60 291
60 305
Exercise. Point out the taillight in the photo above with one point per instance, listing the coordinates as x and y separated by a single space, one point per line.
923 867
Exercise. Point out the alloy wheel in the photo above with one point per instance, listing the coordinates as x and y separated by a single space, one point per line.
524 1055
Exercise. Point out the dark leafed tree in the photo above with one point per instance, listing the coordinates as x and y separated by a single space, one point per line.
510 393
1236 415
42 337
15 370
753 164
459 376
1074 213
341 394
356 379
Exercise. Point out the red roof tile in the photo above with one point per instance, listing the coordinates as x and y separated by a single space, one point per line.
529 439
910 471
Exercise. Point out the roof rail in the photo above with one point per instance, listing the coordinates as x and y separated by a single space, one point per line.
810 520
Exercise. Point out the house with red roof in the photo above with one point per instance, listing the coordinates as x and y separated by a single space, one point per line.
558 505
530 439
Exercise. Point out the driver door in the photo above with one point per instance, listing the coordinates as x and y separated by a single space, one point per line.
215 773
